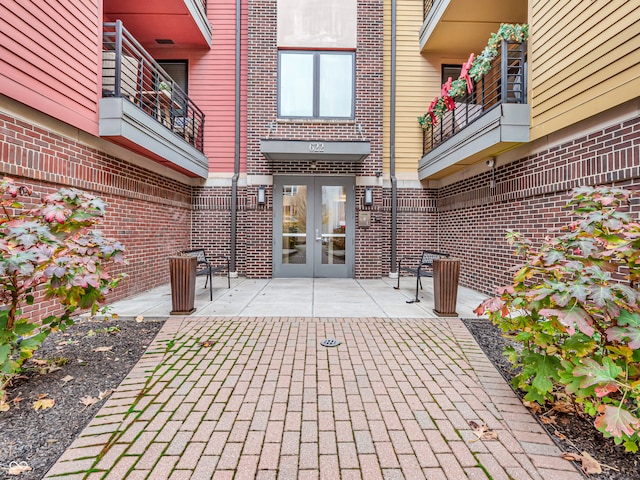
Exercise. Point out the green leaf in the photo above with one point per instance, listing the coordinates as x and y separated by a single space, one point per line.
5 351
554 257
628 318
23 327
571 383
579 343
595 373
578 291
544 369
512 355
30 344
600 294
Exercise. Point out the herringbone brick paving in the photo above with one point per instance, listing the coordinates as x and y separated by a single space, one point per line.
260 398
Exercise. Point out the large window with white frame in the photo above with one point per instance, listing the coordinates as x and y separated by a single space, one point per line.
316 84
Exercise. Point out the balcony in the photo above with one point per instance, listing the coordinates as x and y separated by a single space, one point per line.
492 119
455 28
143 109
172 23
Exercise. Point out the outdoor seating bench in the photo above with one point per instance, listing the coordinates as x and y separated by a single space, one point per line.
206 267
421 266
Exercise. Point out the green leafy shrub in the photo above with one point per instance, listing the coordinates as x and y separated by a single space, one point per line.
574 307
52 246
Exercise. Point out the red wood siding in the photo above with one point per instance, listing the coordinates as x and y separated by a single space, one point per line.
49 62
212 85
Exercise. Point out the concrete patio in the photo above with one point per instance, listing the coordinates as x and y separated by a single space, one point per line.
243 389
302 297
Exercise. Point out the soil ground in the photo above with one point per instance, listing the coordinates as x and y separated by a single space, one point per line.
67 369
38 438
571 432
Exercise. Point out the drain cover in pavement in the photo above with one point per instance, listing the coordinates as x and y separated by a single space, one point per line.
330 342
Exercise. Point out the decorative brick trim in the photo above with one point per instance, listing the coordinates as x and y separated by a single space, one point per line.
610 155
150 214
530 196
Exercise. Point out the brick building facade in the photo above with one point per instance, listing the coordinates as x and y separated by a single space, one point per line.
156 208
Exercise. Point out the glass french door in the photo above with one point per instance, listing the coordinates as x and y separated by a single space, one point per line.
313 231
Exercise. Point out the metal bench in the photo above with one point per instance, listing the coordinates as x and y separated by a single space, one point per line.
424 268
205 267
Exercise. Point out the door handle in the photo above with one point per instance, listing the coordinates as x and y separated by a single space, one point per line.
318 237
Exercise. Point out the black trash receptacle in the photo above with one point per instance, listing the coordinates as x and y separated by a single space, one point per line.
182 270
446 272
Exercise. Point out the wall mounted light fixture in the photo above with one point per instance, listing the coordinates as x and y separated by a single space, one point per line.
368 196
262 196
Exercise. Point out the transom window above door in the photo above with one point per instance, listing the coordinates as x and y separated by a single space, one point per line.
316 84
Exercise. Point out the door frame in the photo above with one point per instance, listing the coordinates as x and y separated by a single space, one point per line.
313 268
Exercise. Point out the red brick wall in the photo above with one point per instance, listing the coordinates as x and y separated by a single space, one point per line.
262 114
530 196
150 214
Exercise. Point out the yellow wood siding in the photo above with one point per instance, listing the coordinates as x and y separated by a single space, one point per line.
584 59
417 82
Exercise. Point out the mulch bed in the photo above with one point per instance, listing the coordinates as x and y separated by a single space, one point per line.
571 432
68 370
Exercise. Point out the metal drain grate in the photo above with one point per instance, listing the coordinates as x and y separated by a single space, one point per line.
330 342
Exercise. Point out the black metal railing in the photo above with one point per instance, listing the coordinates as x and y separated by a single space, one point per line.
505 82
427 5
128 71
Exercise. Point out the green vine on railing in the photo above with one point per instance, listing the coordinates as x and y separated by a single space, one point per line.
472 71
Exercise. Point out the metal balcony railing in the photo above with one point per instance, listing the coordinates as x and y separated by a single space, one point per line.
129 72
505 82
426 7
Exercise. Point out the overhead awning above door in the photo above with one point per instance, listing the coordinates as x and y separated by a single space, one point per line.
318 150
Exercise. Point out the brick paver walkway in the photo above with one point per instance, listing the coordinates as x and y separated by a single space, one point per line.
262 399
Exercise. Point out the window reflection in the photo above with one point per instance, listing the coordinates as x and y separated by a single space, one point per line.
294 224
334 215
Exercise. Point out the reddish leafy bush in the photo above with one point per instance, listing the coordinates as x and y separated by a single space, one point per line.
53 246
574 307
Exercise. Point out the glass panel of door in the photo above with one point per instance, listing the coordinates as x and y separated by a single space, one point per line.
314 222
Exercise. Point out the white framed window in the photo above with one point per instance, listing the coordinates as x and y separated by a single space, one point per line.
318 84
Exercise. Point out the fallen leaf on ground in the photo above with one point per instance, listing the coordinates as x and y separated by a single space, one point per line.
590 465
103 349
205 344
559 435
104 394
37 361
4 406
139 318
533 406
68 378
18 468
572 457
88 401
550 420
563 407
43 402
482 431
